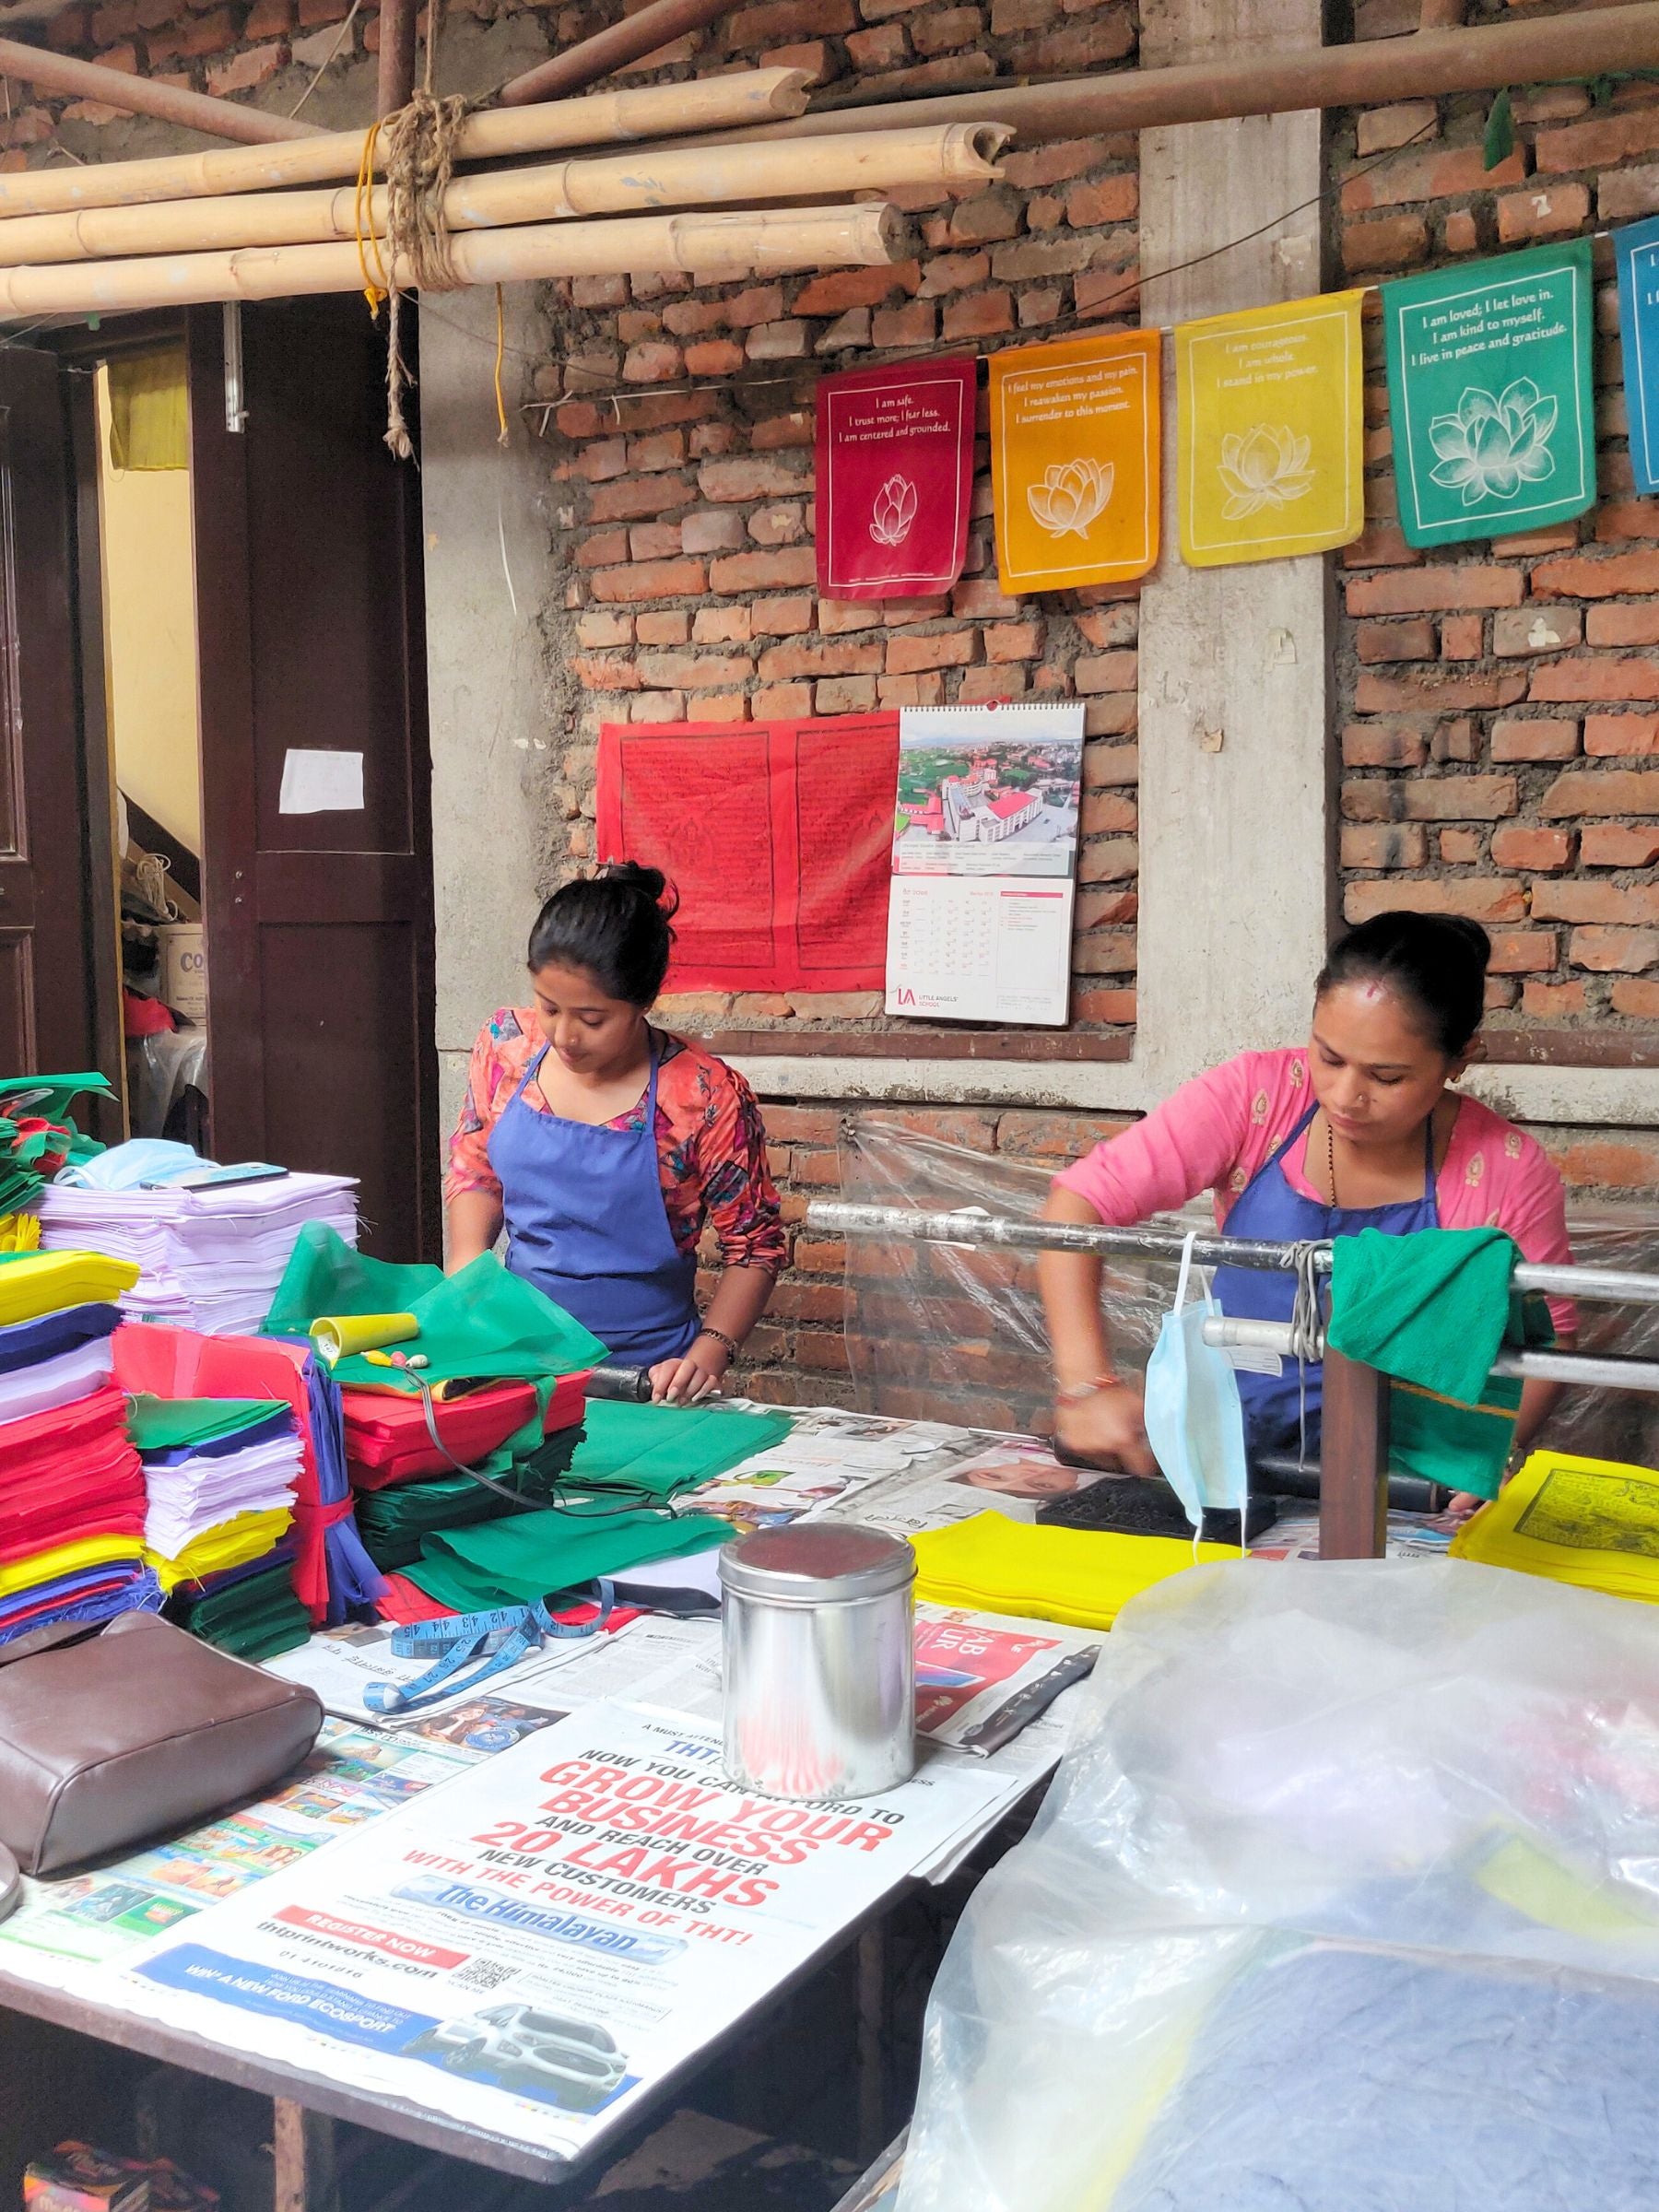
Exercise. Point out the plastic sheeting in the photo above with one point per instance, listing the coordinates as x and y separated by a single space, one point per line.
1345 1900
934 1326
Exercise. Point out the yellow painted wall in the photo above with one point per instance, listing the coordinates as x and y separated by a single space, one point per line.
149 618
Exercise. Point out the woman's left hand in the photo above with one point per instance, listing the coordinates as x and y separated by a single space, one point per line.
697 1375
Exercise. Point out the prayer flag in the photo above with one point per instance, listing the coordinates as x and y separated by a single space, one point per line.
1074 460
1489 395
1636 250
1271 426
895 476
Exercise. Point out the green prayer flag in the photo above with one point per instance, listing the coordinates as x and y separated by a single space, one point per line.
666 1449
480 1322
1490 396
529 1555
168 1424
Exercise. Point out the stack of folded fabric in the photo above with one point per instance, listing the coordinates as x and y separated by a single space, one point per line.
332 1575
71 1488
1084 1576
219 1478
209 1259
38 1139
1593 1523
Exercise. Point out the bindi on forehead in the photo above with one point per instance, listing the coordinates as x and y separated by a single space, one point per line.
1372 992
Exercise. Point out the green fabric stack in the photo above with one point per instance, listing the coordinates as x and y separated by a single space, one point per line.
181 1424
528 1556
659 1451
395 1522
252 1618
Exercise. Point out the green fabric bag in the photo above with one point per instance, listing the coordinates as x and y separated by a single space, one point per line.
1431 1311
661 1450
528 1555
170 1424
482 1321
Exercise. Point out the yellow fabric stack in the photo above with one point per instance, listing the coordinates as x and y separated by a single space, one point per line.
1590 1522
1082 1576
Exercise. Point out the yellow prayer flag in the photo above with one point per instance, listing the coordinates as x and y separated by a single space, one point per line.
1271 429
1074 460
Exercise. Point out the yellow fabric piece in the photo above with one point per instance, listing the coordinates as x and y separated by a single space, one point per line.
1593 1523
20 1232
1074 461
46 1282
232 1544
1522 1877
67 1559
1270 430
1083 1576
149 412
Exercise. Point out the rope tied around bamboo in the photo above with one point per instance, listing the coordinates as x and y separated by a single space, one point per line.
418 147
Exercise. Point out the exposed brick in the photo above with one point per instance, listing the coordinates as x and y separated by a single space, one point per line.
721 625
1463 638
1599 144
653 362
1030 170
1380 130
781 703
1014 642
1638 999
1585 576
1603 791
778 22
1383 845
1101 672
1597 900
1433 588
982 315
856 287
1395 641
1614 735
1525 951
1384 745
714 356
1104 952
1462 232
651 580
782 617
926 688
1437 173
1619 845
1516 847
913 324
600 629
706 533
1483 899
1620 625
1553 1002
782 663
1105 200
750 478
628 498
907 654
696 672
1460 848
942 29
1115 1007
1550 211
243 71
663 626
1460 798
1630 679
1079 45
1436 687
987 217
1525 629
1628 194
1614 950
789 565
954 272
1518 741
849 695
1454 739
1394 242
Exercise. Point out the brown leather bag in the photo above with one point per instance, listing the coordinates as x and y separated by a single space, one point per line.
113 1734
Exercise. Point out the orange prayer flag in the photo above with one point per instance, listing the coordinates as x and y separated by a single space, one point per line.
1074 461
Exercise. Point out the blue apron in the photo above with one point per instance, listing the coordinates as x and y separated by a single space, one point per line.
587 1224
1270 1208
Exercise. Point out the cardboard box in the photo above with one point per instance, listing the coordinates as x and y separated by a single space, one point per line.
184 969
76 2178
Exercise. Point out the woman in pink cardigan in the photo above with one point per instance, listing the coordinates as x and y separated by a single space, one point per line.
1356 1129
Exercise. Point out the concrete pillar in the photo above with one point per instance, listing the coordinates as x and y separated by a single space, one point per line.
1237 875
489 577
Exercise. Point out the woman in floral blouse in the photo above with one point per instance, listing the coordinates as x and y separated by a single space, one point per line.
603 1147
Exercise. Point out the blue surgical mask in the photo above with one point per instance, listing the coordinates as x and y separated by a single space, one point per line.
1194 1417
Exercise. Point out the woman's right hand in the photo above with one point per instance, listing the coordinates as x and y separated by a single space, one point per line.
1108 1425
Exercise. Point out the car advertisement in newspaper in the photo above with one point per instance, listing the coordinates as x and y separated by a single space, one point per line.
529 1949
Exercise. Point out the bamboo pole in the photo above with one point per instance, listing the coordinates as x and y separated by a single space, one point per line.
1585 42
144 96
654 26
962 152
395 77
713 247
649 111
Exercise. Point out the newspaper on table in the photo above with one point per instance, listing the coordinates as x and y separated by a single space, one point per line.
353 1776
529 1950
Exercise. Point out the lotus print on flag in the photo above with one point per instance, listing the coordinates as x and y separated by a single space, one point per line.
1492 447
895 511
1266 467
1072 495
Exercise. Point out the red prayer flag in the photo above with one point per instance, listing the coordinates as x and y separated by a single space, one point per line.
895 478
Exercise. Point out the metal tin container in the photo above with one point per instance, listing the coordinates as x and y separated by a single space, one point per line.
820 1660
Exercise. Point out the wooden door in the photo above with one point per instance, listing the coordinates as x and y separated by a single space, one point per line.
309 618
55 873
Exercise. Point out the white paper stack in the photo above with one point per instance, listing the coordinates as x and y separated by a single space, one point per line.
209 1259
194 1495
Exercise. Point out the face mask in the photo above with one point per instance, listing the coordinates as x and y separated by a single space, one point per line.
140 1159
1195 1419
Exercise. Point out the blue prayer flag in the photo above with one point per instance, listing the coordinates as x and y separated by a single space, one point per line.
1636 248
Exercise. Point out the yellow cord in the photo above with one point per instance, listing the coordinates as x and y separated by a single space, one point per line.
500 355
376 285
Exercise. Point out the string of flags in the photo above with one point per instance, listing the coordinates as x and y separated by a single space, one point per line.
1491 405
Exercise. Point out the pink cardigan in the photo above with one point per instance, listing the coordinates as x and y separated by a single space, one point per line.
1215 1133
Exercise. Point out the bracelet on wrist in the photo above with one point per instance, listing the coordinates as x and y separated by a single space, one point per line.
729 1344
1079 1393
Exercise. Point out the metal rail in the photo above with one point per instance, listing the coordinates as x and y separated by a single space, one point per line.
1598 1370
1605 1286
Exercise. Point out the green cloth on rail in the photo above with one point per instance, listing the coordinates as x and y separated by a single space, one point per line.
528 1555
1431 1311
171 1424
662 1450
480 1322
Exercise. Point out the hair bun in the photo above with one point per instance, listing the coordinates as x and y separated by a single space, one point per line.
1477 939
651 883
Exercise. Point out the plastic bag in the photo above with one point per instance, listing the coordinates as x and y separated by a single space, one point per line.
1346 1899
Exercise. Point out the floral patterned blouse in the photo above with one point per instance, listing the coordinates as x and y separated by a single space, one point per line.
711 1140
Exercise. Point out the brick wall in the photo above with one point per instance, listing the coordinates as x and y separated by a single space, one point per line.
1500 738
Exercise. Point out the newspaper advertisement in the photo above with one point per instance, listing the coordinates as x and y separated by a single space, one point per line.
532 1950
352 1777
1015 1477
